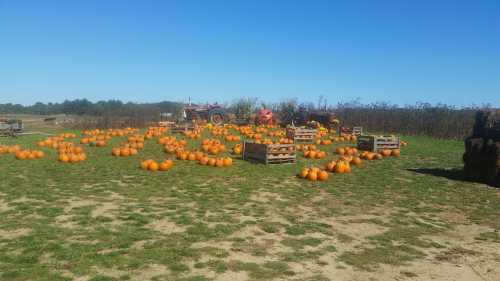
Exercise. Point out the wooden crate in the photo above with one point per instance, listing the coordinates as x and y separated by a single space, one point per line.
179 129
301 134
377 143
269 153
356 131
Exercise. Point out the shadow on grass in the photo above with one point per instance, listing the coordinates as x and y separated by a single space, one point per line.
451 174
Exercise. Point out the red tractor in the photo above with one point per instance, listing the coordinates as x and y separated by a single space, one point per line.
213 113
264 117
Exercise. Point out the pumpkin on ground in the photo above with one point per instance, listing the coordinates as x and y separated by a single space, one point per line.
313 174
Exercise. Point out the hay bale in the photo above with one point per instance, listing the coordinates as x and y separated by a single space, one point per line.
482 149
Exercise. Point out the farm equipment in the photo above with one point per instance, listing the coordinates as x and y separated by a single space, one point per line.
264 117
213 113
482 149
315 119
11 127
166 120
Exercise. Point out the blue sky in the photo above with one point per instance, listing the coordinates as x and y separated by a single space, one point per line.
397 51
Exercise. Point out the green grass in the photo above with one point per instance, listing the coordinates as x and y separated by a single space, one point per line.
102 218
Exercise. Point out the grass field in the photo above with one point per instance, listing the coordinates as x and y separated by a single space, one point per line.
406 218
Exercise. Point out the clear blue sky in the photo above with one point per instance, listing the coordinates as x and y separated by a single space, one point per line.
400 51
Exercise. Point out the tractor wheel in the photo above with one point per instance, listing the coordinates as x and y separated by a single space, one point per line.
217 117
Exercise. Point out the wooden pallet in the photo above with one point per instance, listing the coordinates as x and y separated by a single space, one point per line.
377 143
356 131
179 129
301 135
269 153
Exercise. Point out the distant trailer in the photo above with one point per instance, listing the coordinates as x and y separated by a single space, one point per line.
11 127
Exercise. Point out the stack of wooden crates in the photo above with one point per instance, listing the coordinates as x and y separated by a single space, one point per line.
301 134
378 143
354 131
269 153
182 128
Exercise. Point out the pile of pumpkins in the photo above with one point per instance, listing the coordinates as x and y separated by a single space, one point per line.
237 149
29 154
68 153
219 131
124 151
313 174
305 147
233 138
212 146
152 165
381 154
97 141
189 155
9 148
314 153
51 142
67 135
130 148
216 162
277 133
285 141
154 132
195 134
340 166
323 142
351 138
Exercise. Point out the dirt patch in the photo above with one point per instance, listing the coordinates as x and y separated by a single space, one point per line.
119 183
4 206
265 197
105 209
232 276
165 226
151 271
78 203
452 216
14 234
65 221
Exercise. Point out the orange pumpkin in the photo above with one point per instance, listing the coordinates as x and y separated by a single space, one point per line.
204 161
163 166
191 156
340 167
330 166
322 176
227 162
357 161
39 154
145 164
312 176
74 158
153 166
125 152
21 155
63 158
396 152
386 152
303 173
